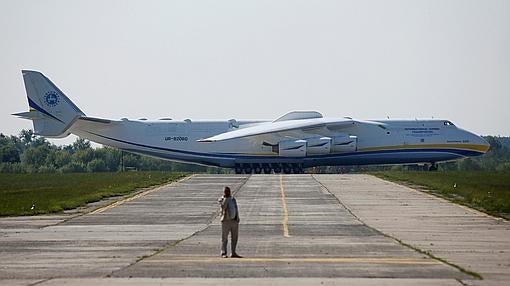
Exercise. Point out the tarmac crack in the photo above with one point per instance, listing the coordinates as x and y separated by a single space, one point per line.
40 282
176 242
415 248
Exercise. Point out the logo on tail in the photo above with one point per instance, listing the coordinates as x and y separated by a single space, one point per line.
51 99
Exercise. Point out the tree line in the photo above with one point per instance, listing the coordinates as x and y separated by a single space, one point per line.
28 153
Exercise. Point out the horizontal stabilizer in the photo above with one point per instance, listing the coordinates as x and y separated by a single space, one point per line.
32 114
95 119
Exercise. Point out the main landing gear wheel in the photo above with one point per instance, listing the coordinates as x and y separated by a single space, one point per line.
433 167
277 170
247 169
257 170
238 170
297 169
267 170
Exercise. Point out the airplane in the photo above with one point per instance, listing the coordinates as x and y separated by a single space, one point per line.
289 144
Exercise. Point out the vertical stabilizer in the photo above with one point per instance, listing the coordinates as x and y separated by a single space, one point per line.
51 111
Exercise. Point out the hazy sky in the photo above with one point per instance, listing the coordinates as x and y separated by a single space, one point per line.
261 59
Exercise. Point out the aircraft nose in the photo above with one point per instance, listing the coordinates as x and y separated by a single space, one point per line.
484 145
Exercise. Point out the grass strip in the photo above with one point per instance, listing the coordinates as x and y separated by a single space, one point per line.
32 194
483 190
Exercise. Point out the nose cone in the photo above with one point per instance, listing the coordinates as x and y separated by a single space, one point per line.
481 144
485 144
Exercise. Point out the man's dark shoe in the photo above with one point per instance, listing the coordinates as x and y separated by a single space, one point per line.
235 255
224 255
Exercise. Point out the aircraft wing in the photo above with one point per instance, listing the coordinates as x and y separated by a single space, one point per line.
303 125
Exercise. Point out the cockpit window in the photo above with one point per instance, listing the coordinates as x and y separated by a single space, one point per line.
448 123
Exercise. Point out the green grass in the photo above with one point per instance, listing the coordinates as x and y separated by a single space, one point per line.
483 190
52 193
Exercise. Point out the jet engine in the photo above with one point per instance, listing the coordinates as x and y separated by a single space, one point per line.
318 145
344 143
292 148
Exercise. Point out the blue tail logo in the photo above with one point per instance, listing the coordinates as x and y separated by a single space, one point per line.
51 99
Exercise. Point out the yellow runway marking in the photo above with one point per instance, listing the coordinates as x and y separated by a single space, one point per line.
118 203
285 220
369 260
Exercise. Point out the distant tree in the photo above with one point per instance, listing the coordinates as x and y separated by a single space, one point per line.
495 143
96 165
130 160
469 164
505 166
8 150
72 167
60 158
83 156
81 144
40 141
111 157
35 157
26 136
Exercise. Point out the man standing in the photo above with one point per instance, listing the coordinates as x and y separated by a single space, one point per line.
229 222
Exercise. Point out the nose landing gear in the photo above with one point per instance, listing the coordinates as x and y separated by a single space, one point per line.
433 167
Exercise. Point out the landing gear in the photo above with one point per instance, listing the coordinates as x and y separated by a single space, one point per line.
433 167
268 168
297 169
247 169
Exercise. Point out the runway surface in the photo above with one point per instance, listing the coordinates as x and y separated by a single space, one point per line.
295 230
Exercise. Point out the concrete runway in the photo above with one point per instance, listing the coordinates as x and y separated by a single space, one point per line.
295 230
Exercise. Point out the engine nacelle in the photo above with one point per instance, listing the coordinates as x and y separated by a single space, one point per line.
345 143
318 145
292 148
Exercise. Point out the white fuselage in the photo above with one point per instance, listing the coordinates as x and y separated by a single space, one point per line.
398 141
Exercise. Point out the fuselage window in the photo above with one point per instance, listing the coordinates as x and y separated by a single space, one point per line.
448 123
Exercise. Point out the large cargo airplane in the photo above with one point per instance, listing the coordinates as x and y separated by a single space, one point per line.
297 140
